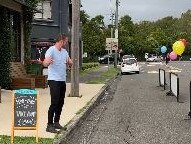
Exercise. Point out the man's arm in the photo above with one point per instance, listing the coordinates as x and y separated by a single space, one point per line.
47 61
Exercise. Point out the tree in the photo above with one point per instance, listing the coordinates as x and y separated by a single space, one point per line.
138 38
93 37
126 35
84 17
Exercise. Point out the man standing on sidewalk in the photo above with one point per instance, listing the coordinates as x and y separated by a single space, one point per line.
56 59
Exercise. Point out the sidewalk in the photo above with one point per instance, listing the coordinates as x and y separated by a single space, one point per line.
71 107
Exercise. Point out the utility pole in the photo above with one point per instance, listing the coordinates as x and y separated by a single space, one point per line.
112 16
116 30
75 48
110 50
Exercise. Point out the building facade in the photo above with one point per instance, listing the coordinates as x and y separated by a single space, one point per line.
53 17
16 26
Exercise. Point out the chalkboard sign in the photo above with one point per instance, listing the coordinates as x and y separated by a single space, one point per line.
25 108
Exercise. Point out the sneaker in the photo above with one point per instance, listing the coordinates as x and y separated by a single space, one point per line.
58 126
51 129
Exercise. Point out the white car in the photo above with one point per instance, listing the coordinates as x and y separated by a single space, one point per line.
154 59
130 65
128 56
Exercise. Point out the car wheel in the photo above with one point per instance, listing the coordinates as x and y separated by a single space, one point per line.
122 73
137 72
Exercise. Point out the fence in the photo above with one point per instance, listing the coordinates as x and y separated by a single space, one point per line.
162 78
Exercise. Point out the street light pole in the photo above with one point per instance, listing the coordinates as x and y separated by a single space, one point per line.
75 48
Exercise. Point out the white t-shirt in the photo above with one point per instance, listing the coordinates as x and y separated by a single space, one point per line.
57 70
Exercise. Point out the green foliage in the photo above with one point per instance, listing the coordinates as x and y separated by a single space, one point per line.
89 65
35 69
24 140
93 37
28 13
5 48
136 38
6 39
84 18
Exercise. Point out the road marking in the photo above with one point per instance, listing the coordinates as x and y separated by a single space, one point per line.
178 71
153 72
150 65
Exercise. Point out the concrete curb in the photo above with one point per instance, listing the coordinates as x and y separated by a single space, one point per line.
78 119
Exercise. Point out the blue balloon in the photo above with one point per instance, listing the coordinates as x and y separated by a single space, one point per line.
163 49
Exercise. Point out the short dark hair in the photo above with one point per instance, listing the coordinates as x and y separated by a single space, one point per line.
61 37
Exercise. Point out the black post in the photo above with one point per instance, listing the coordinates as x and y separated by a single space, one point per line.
177 89
170 92
189 114
164 80
170 83
159 78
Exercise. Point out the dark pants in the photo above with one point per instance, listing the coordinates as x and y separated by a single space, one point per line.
57 92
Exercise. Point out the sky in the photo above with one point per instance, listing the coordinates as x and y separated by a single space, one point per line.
138 10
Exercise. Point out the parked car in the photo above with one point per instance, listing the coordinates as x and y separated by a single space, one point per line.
104 59
127 57
130 65
154 59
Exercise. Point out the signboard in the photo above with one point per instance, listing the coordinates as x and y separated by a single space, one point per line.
116 33
111 44
25 111
146 55
85 54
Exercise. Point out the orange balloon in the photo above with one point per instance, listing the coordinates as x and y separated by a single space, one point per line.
184 41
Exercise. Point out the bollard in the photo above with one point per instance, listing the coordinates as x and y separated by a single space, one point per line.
164 80
159 78
171 93
178 90
189 114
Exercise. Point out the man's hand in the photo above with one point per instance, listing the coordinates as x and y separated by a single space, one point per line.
69 62
47 61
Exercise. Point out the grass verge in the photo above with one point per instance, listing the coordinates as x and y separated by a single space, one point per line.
24 140
86 71
112 72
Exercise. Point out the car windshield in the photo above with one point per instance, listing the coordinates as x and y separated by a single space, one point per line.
105 56
128 56
130 61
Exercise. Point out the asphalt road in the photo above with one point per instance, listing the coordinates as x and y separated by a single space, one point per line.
136 111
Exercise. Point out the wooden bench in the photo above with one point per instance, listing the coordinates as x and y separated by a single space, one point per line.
20 79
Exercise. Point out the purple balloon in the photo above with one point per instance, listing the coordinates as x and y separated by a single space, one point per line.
173 55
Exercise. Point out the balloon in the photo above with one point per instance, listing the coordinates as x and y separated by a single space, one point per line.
173 55
184 41
163 49
178 47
